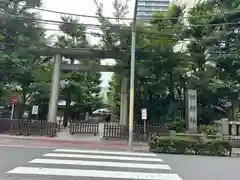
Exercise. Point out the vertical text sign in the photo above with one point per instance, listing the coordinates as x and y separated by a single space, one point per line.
144 114
35 110
192 109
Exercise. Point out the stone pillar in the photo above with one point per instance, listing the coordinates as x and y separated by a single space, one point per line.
53 103
87 116
234 129
219 126
191 110
225 126
124 102
101 130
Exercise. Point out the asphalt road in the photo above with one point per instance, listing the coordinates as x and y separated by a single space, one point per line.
12 157
191 167
64 164
47 164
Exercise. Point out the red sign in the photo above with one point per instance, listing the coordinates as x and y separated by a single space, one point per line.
14 100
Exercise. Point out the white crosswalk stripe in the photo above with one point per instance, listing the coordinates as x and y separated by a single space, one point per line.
99 163
86 156
91 164
106 152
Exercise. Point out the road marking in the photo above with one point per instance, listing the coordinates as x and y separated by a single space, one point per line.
93 173
106 152
103 157
100 163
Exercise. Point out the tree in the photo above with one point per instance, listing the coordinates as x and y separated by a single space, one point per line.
82 88
42 88
174 53
18 67
114 92
160 78
116 36
224 49
213 51
160 70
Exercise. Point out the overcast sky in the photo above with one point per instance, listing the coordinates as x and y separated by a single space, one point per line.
86 7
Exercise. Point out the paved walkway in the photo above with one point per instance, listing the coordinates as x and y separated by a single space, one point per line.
77 140
236 152
65 137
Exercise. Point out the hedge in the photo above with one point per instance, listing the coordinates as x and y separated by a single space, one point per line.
188 145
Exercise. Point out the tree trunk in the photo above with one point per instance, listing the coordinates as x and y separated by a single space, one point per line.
68 104
20 107
171 87
67 108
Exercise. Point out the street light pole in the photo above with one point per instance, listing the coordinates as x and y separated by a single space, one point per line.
132 78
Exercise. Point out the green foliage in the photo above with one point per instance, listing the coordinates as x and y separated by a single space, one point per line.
18 68
115 88
214 73
236 115
188 145
178 125
199 62
82 88
29 76
208 129
116 37
172 56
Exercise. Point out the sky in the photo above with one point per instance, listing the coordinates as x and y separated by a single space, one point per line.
86 7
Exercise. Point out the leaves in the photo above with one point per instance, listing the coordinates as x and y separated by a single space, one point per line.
205 63
82 88
174 53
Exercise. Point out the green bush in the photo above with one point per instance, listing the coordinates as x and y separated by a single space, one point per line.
208 129
179 126
188 145
236 115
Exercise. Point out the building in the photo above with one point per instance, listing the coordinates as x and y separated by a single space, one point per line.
145 8
189 3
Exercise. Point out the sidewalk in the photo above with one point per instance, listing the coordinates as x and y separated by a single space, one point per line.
64 139
74 139
236 152
77 140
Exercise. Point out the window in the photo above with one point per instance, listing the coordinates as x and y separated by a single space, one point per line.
141 13
158 1
141 3
156 4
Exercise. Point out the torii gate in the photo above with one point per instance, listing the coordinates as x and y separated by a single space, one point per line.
82 53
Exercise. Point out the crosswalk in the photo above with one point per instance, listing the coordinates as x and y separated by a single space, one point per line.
98 164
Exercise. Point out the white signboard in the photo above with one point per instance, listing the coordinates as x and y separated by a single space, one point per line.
191 109
35 110
144 114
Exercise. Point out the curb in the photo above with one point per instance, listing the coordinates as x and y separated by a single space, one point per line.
75 142
236 154
88 147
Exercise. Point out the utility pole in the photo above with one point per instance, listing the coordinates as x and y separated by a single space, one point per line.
132 78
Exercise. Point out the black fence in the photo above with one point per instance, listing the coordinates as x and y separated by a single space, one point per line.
118 131
21 127
84 127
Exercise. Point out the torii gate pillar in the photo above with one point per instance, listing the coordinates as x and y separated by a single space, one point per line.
54 95
124 101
